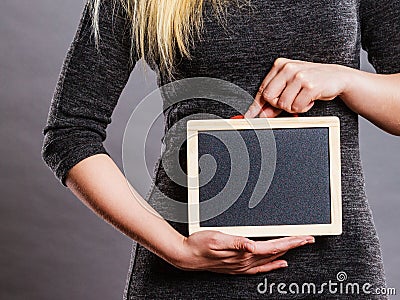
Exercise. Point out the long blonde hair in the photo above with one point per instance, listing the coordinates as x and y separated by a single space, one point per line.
160 28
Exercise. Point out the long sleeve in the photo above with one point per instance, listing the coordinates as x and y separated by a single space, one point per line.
380 34
89 86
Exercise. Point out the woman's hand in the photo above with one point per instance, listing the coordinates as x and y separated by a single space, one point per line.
222 253
294 85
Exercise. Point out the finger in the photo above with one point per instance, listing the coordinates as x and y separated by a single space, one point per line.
243 261
276 246
238 264
303 101
224 241
288 96
269 111
262 260
270 266
229 255
236 258
256 107
279 63
276 86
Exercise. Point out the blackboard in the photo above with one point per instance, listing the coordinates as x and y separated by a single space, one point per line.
265 177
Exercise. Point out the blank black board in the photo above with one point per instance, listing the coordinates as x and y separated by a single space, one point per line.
302 191
299 192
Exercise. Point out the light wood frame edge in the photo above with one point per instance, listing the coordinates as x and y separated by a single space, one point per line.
332 122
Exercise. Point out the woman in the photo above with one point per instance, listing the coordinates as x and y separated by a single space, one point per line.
289 56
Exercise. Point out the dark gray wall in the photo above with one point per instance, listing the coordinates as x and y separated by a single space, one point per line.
51 245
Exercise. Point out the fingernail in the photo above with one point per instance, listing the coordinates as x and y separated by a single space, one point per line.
284 264
310 239
250 246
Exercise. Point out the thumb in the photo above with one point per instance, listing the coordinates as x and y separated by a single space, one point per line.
268 111
250 246
255 108
241 243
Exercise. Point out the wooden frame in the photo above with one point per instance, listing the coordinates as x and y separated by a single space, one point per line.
331 122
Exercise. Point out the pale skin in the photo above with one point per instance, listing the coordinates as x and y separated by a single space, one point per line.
290 85
294 85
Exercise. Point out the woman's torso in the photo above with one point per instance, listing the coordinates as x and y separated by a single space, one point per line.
242 54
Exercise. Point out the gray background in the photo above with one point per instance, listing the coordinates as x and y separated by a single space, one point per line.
52 246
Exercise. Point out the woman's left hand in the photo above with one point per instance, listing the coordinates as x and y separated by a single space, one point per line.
294 85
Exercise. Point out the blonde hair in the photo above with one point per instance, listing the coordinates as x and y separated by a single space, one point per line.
160 29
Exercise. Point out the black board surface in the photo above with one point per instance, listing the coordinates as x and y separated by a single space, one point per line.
299 192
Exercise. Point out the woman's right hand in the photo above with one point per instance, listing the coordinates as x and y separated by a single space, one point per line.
223 253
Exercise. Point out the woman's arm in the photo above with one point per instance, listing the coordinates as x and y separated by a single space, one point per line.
98 183
376 97
293 86
87 92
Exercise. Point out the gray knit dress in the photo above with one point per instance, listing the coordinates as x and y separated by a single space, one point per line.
240 51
